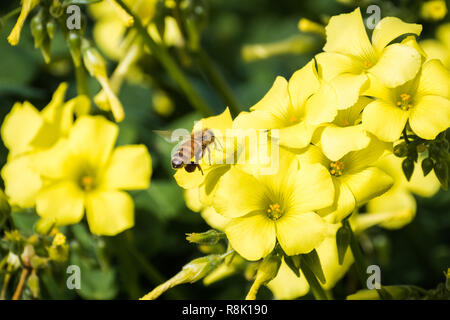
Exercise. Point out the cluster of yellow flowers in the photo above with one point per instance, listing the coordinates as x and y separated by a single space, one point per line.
64 166
336 119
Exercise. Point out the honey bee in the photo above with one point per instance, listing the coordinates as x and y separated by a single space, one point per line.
196 146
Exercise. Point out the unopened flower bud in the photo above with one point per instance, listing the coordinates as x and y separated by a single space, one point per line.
210 237
267 270
191 272
27 6
27 254
74 42
13 261
400 150
427 166
33 284
306 25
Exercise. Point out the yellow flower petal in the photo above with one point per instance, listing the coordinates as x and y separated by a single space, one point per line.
344 203
192 199
62 201
358 160
20 127
367 184
384 120
252 236
213 219
390 28
328 255
303 84
258 119
313 189
129 168
346 34
321 107
338 141
313 155
109 212
297 136
299 232
248 194
21 182
219 124
276 100
331 64
434 80
430 116
286 285
348 87
93 138
398 63
392 210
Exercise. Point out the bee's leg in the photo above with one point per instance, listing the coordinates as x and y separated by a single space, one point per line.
200 168
217 142
209 155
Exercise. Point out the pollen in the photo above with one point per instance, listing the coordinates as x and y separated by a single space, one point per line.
293 119
87 182
274 211
336 168
367 64
405 102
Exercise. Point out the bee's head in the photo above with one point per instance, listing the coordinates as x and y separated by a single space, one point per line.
177 163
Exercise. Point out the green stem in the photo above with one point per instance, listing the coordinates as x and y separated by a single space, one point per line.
172 68
151 272
317 290
81 79
11 14
405 136
360 262
217 80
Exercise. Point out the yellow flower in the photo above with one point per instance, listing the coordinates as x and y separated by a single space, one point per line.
28 133
345 133
27 6
433 10
422 102
356 179
286 285
269 208
349 55
397 207
87 172
289 107
439 48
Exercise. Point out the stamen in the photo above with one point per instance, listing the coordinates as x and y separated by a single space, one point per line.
87 183
336 168
405 102
274 211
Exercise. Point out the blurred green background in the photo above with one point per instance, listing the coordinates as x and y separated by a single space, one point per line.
134 262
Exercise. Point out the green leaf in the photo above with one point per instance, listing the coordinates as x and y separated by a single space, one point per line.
343 237
163 198
313 261
293 262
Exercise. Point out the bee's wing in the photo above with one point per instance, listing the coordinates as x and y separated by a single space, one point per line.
173 136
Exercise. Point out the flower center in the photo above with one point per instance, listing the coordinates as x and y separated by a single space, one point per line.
274 211
336 168
367 64
405 102
87 182
293 119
